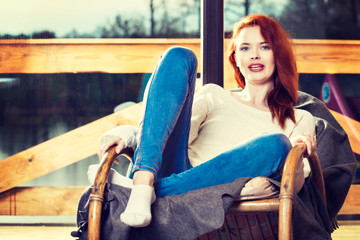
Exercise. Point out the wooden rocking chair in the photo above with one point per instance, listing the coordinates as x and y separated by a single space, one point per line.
280 206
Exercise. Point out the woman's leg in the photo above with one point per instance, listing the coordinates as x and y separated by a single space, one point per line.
262 156
164 130
166 122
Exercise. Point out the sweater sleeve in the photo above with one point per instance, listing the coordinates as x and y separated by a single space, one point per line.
305 125
126 132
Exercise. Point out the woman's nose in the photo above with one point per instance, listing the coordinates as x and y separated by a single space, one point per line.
255 55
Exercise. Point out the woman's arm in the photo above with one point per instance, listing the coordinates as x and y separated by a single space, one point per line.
121 136
309 140
304 131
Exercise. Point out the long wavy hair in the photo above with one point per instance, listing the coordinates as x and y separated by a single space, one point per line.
283 97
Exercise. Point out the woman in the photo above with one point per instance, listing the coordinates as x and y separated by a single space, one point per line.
183 145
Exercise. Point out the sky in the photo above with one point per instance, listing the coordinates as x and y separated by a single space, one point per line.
62 16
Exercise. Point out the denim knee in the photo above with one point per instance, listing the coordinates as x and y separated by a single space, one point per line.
182 55
280 143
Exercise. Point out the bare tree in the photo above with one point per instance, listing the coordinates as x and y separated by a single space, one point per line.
152 21
191 9
247 7
235 9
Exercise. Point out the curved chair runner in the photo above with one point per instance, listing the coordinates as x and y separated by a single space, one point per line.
282 204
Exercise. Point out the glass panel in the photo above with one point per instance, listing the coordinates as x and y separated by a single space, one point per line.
317 19
38 107
97 19
330 19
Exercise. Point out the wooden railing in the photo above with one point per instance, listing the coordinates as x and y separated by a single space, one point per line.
123 56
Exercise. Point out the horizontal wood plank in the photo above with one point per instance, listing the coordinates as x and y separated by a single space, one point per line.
40 201
90 55
352 128
352 203
61 151
327 56
140 55
63 201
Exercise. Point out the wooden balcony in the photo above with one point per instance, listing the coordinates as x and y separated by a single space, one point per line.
124 56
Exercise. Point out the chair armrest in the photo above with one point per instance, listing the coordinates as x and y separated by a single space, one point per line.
286 196
98 188
288 178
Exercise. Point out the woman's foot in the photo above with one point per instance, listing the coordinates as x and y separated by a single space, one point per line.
138 209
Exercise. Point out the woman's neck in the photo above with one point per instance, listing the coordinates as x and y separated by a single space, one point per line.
255 95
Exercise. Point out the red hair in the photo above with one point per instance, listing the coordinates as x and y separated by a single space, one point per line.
283 97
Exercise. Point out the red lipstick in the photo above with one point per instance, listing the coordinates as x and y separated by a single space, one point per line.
256 67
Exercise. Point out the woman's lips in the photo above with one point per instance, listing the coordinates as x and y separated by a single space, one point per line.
256 67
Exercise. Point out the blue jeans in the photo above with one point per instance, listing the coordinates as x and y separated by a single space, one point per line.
164 132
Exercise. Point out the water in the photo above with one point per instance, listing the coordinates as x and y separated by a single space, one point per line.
37 107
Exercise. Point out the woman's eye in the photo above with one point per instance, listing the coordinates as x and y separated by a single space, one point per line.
265 47
244 48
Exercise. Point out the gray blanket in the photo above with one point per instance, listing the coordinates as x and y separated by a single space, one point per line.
189 215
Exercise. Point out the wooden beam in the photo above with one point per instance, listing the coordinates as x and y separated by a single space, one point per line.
351 127
327 56
86 55
140 55
61 151
40 201
352 203
63 201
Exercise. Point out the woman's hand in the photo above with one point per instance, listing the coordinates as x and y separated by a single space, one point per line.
309 140
108 141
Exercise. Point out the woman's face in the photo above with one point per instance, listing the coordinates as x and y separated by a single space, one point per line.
254 56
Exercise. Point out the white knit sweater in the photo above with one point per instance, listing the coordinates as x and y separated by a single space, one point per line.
219 122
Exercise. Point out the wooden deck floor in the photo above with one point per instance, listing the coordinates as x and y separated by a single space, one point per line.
36 232
349 230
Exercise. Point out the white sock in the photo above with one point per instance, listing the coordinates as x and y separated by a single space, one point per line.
138 209
113 177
